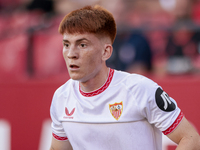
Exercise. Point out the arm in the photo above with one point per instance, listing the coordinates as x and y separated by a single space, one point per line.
185 136
60 145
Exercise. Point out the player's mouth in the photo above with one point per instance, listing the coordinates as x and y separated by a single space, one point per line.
73 67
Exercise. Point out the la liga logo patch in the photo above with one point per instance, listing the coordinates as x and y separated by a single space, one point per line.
116 109
163 101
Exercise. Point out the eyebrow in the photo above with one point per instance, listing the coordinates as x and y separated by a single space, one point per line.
79 40
65 40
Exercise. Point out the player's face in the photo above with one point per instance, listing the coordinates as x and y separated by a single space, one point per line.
83 55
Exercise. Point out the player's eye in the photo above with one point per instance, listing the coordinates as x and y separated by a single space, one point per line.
83 45
65 44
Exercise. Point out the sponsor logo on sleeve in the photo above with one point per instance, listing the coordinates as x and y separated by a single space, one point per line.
163 101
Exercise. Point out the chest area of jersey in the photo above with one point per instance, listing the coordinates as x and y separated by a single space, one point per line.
106 107
131 135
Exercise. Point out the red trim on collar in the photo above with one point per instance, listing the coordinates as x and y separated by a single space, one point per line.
175 124
101 89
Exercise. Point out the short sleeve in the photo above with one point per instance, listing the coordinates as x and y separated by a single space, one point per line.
159 108
56 125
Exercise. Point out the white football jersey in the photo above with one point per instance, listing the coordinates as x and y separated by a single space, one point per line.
128 112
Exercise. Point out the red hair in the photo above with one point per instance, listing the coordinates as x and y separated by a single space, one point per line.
89 19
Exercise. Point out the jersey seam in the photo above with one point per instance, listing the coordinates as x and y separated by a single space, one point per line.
134 99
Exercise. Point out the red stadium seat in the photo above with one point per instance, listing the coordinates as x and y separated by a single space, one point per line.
48 59
13 57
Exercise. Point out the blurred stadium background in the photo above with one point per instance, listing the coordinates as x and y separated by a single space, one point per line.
157 38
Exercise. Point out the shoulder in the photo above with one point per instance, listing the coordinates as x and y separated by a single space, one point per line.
61 95
139 86
64 89
131 80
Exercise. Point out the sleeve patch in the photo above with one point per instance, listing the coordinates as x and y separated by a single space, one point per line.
59 138
175 124
163 101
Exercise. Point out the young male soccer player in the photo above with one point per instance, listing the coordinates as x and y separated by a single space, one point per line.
100 108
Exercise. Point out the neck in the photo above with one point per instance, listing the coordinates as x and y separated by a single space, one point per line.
96 82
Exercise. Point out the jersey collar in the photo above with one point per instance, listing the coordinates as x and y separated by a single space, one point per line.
101 89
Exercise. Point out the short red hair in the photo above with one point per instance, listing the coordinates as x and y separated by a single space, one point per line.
89 19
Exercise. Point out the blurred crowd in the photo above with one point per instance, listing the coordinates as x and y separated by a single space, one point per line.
154 36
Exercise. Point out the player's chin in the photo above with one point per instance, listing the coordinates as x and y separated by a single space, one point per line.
80 78
75 76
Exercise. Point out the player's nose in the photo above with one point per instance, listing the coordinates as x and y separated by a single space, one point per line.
72 52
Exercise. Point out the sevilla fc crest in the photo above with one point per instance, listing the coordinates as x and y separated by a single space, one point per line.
116 110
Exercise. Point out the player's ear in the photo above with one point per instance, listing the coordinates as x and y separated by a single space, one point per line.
107 52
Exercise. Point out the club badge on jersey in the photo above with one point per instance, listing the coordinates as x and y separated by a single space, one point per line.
116 109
